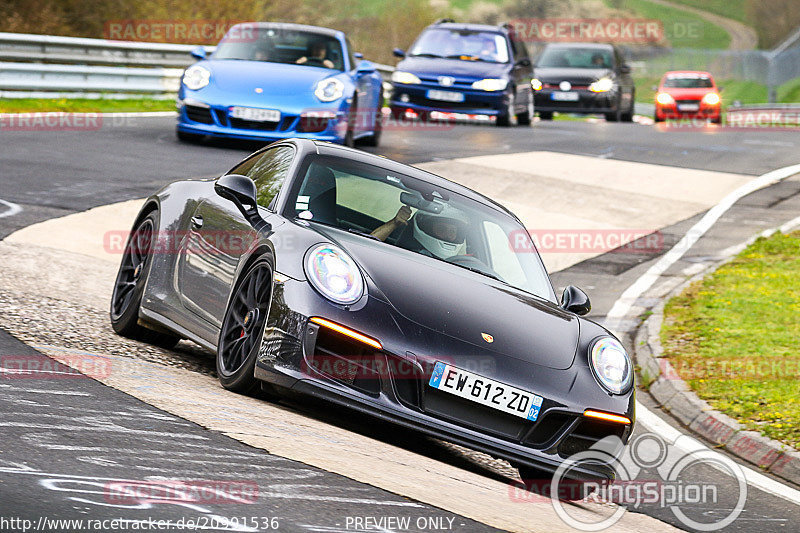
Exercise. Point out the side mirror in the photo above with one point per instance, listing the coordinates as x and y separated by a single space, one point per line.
625 69
198 52
242 192
399 53
365 67
358 55
575 301
524 62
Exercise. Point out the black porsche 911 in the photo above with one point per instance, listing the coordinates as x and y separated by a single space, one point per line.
334 273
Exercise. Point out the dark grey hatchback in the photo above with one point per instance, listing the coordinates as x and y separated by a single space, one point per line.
583 78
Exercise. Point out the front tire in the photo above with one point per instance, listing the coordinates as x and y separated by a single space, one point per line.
349 135
126 299
377 129
508 117
546 115
242 328
526 117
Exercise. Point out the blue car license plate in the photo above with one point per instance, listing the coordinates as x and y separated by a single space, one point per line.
485 391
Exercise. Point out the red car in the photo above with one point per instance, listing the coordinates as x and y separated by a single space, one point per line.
688 95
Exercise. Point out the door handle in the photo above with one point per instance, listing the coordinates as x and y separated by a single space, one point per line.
197 222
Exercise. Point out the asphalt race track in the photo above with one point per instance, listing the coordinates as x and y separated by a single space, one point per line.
63 441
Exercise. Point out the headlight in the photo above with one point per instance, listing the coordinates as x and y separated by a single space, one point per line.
602 85
490 84
611 365
536 85
711 99
329 90
398 76
334 274
196 77
664 99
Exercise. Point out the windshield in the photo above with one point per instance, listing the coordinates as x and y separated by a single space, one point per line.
465 45
688 81
275 45
573 57
414 215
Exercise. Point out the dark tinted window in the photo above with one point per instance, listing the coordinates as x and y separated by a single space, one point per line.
268 171
576 57
688 82
466 45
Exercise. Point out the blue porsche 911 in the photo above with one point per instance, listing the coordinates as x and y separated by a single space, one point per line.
269 81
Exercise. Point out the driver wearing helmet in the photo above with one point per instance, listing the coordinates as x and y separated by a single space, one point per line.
441 235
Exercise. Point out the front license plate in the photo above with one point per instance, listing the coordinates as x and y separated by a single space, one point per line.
565 96
256 114
689 107
445 96
485 391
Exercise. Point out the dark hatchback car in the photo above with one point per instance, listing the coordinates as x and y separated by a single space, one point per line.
470 69
583 78
319 270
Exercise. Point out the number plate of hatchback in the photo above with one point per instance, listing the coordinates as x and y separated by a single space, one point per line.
253 113
565 97
445 96
485 391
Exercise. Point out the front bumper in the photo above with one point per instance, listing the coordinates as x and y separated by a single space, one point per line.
414 97
215 120
670 112
588 102
295 354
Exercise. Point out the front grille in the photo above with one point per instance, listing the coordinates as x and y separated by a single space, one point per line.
467 413
586 435
252 124
199 114
222 116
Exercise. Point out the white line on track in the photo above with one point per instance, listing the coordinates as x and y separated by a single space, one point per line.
140 114
12 210
623 305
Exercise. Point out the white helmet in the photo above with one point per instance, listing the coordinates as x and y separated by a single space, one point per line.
442 234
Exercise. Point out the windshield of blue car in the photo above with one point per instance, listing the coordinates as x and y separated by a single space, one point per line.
465 45
362 198
576 57
274 45
688 81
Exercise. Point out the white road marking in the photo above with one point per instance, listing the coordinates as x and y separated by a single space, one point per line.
12 210
623 305
56 392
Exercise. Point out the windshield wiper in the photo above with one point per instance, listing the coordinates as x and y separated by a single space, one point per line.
426 54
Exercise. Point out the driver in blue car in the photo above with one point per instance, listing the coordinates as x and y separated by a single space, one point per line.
316 56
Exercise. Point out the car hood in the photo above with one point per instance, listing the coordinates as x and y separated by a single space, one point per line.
238 76
464 305
576 76
469 70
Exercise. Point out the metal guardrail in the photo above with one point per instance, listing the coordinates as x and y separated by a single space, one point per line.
33 65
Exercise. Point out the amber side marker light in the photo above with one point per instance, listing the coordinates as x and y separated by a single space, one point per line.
608 417
347 332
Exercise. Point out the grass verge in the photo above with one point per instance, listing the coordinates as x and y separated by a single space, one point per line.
733 337
682 29
77 105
